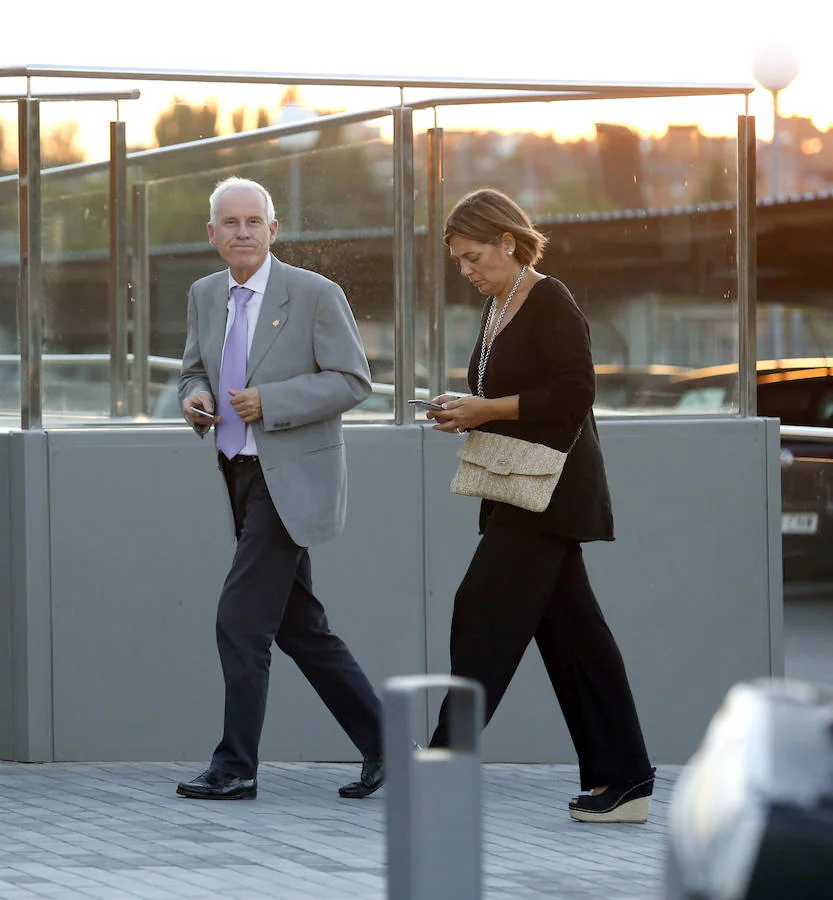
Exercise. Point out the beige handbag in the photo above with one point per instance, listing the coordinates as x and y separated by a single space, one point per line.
498 467
507 469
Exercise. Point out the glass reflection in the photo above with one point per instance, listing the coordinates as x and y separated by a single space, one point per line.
9 279
642 231
332 200
75 276
640 220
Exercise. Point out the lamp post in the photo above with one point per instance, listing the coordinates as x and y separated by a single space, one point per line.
774 67
296 144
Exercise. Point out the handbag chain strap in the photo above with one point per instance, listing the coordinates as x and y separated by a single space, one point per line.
485 349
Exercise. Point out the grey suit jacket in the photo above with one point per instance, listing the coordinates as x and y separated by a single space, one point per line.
308 361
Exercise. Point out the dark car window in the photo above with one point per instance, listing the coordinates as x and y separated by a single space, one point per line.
825 407
793 402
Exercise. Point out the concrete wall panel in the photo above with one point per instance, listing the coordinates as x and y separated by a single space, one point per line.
5 602
139 540
687 586
30 631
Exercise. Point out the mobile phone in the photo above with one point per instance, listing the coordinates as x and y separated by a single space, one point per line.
204 413
425 404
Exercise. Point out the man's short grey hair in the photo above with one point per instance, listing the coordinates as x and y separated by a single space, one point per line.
235 182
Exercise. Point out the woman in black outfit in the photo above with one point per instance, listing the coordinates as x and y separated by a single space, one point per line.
527 578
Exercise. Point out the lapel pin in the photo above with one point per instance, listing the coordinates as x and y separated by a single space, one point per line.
276 323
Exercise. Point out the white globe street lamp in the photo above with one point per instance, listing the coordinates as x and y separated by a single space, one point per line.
774 67
292 114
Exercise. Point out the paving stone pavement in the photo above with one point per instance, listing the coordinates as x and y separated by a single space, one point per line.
116 831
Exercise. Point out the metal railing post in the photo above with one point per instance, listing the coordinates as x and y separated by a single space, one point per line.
747 249
30 299
433 802
140 272
118 270
436 265
403 264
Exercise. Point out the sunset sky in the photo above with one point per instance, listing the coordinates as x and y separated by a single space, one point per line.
644 40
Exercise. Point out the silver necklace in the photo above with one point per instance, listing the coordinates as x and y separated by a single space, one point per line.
484 349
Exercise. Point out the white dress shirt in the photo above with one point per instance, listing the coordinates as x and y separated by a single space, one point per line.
256 283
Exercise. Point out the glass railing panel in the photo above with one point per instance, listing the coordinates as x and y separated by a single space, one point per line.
638 204
9 271
423 282
578 185
76 252
333 200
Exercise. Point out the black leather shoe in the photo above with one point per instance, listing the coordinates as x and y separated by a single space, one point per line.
216 786
371 779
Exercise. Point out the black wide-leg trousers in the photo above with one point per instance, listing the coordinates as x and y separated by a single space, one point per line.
267 596
522 585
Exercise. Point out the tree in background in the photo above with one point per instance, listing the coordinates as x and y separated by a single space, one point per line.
337 176
238 119
263 118
181 123
177 194
59 146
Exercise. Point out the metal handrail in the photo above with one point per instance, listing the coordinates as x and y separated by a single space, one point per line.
556 96
334 120
607 89
62 97
814 432
165 363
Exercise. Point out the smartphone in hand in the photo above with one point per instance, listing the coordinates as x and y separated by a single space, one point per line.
425 404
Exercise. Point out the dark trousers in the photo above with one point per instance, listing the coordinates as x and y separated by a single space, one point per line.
523 585
267 596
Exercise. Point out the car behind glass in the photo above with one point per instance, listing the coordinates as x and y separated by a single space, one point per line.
799 392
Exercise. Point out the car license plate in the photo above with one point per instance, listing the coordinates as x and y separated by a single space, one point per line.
799 523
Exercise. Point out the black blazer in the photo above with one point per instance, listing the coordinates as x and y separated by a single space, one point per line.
543 355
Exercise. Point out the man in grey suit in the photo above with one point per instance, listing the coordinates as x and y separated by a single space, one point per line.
273 358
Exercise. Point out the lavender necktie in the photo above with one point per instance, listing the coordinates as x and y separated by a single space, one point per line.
231 431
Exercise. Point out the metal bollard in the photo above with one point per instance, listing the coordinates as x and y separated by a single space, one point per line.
433 802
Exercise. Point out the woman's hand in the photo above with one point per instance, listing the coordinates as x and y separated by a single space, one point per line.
460 413
445 398
442 399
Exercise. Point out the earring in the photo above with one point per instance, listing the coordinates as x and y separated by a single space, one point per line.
510 252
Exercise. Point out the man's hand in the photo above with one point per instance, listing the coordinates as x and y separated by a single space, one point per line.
193 405
246 403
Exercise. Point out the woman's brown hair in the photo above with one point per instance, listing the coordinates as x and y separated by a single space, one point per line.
485 215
